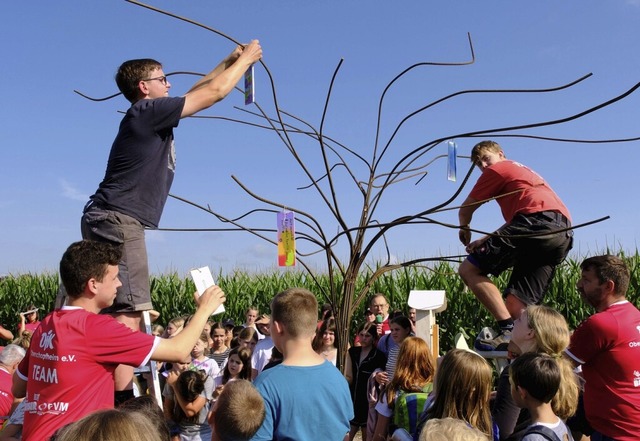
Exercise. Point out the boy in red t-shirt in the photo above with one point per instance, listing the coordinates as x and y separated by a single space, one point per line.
533 241
68 371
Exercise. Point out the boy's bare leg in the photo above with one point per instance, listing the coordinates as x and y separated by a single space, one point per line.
484 289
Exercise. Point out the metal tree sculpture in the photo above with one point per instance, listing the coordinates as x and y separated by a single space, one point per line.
369 231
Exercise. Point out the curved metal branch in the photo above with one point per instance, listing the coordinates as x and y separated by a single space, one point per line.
254 231
314 135
532 125
339 144
335 207
120 93
406 218
516 236
417 153
464 63
326 175
409 170
315 132
548 138
235 220
478 91
295 130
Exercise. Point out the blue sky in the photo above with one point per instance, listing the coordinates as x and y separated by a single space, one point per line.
56 143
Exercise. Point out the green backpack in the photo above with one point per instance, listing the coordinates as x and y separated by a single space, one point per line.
408 407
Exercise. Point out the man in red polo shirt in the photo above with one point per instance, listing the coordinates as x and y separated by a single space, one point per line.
607 346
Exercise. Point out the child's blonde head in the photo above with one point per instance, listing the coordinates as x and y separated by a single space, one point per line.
462 386
552 338
238 412
446 429
111 424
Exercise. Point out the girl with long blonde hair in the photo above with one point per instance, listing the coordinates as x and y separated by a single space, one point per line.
462 388
544 330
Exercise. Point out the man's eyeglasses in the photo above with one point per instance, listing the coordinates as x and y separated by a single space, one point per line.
162 79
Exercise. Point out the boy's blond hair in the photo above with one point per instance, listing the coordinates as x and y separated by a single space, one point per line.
239 411
484 146
297 310
445 429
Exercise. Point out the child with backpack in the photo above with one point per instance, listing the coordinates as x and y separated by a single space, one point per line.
461 390
404 397
535 379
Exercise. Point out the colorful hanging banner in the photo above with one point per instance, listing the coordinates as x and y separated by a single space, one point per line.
451 160
286 239
249 87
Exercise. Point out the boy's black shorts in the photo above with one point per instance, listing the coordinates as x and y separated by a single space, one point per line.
533 259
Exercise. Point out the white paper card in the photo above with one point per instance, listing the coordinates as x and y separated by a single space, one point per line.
203 279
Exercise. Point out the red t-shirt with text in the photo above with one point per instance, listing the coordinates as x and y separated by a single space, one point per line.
69 367
607 345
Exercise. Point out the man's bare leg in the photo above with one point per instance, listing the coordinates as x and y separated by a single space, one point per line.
484 289
514 305
123 375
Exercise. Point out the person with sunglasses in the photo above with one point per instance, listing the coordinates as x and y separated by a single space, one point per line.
140 172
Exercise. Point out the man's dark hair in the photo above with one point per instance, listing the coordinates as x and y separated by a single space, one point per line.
609 267
86 260
131 72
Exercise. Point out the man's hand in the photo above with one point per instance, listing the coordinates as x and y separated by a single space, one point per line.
252 51
234 55
476 245
210 299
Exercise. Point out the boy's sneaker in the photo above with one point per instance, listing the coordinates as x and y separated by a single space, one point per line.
490 340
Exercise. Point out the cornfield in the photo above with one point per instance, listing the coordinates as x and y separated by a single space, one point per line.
172 295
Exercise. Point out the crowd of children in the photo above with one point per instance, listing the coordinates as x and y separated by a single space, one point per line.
459 388
392 387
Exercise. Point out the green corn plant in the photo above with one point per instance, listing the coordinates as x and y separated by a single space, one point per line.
172 295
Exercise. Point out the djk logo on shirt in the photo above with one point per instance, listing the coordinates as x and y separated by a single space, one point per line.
46 340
